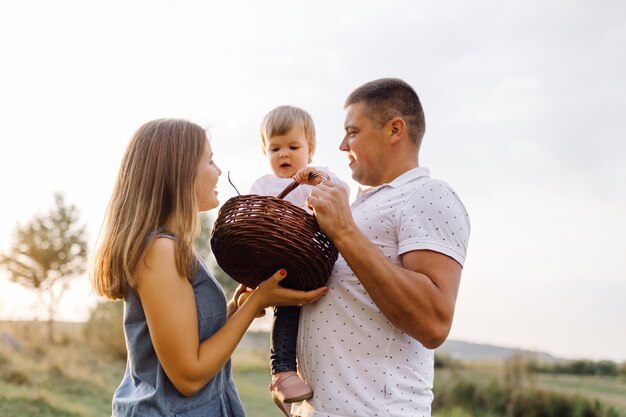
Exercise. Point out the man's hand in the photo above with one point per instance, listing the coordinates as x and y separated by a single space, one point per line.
329 202
417 297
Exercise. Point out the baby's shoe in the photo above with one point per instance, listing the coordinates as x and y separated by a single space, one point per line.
284 407
287 387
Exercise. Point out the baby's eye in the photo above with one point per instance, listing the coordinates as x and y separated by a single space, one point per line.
273 149
294 148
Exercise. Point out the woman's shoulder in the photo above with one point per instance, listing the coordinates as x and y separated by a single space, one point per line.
157 266
159 250
159 242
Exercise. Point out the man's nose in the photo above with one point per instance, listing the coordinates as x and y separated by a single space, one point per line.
343 146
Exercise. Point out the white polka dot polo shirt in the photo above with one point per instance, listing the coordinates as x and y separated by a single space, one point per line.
356 361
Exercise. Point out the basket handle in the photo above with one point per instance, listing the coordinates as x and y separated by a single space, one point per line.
294 185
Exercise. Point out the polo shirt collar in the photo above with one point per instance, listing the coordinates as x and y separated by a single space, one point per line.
408 176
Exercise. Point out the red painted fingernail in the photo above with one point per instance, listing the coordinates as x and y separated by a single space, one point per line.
325 290
283 272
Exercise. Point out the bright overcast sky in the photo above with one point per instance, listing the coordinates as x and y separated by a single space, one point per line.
525 105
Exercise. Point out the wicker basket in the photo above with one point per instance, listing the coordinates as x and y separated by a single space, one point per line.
254 236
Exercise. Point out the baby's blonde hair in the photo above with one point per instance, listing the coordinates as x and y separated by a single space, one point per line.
282 119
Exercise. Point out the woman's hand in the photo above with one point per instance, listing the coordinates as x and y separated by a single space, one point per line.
270 293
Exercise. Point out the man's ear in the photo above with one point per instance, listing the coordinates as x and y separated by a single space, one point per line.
397 129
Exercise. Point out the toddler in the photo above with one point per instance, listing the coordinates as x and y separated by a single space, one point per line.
288 138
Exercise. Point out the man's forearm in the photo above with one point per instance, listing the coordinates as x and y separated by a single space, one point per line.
408 299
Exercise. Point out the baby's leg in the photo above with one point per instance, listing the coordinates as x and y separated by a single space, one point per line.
286 386
284 339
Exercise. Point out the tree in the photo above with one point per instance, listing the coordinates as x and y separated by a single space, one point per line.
203 246
47 252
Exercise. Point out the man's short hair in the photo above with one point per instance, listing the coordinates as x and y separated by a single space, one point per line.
282 119
387 98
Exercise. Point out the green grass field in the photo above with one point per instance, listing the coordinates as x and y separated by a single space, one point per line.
610 391
607 391
70 379
252 376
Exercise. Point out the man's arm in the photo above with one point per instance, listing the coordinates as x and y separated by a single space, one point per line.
417 297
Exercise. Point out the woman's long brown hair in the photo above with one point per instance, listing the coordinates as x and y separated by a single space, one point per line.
155 183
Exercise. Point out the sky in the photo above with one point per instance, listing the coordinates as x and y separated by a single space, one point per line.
525 107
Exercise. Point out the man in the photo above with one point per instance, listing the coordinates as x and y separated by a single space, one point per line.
366 347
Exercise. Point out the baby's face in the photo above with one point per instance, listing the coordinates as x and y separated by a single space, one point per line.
288 153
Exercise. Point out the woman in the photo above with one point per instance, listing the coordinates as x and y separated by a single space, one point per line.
180 331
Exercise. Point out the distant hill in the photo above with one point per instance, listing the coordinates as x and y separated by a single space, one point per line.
467 351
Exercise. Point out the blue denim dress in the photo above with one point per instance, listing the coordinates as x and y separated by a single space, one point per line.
146 390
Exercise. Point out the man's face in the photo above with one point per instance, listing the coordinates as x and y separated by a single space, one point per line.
365 146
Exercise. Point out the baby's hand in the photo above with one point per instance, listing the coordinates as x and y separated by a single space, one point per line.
310 176
242 299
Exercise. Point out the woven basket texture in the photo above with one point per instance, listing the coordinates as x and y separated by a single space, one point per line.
254 236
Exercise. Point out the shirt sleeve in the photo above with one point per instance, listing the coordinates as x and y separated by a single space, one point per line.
434 218
256 187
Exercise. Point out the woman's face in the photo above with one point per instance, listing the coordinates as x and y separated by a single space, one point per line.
206 181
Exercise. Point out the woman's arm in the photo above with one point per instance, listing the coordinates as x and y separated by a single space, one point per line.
169 304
